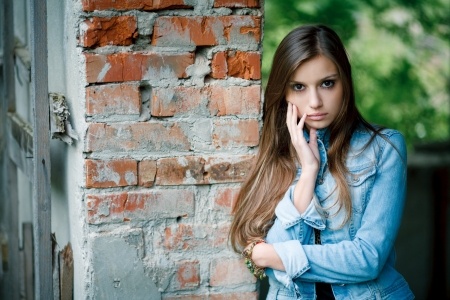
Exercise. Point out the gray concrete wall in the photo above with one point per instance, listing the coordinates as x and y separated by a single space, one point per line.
65 73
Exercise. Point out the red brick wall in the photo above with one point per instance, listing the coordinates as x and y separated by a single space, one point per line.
173 109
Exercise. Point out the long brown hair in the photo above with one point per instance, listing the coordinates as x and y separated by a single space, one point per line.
275 167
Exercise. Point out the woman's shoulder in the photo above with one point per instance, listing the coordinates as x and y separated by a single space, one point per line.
376 132
378 137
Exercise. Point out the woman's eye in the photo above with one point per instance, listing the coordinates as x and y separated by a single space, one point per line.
297 87
328 84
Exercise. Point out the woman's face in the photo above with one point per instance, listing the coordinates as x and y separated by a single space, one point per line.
315 88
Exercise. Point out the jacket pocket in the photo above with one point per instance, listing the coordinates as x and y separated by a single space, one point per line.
360 180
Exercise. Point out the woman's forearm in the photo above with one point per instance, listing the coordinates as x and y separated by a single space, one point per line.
304 190
264 256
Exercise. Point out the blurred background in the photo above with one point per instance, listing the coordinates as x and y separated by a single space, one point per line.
400 56
399 50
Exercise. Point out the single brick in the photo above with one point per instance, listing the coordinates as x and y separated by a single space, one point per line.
229 271
242 29
195 237
241 64
136 136
206 31
225 197
220 240
181 170
235 100
167 102
229 169
147 172
192 31
198 170
219 68
236 3
136 66
187 275
246 65
91 5
98 32
181 237
138 206
235 133
110 173
113 99
106 207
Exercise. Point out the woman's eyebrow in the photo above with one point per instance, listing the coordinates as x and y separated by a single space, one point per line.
332 76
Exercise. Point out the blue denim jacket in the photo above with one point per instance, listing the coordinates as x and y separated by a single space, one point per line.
357 259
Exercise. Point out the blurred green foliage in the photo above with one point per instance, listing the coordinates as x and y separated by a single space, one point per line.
400 55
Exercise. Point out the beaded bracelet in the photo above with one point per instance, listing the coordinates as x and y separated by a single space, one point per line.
258 272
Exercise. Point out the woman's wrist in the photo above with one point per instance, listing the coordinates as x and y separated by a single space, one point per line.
256 270
310 172
258 255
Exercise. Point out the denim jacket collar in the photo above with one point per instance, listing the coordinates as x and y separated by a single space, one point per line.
323 141
323 135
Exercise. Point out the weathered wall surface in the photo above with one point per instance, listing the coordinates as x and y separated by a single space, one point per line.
172 101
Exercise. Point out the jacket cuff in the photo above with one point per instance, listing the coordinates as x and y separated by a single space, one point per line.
312 217
281 277
289 216
293 257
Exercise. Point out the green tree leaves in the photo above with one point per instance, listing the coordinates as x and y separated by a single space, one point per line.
400 54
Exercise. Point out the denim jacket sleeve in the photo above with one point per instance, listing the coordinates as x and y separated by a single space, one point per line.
276 235
360 259
289 216
293 228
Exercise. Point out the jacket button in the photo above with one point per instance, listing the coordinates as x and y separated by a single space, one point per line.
320 181
355 179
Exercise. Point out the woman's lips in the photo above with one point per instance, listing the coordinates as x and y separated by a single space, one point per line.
317 117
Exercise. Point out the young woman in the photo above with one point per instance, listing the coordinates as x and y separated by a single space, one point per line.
321 210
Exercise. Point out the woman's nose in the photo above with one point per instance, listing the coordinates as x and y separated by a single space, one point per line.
314 99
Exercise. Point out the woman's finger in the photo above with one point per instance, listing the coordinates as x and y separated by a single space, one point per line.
300 127
289 117
293 121
301 123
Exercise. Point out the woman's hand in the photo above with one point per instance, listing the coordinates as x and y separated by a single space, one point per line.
308 153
